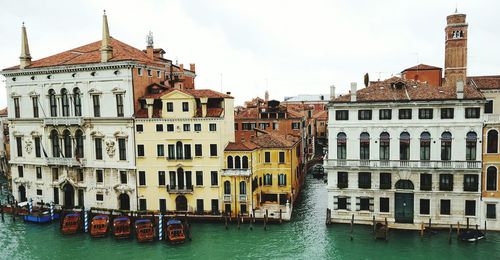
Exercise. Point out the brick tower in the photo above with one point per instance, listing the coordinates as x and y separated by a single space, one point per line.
455 60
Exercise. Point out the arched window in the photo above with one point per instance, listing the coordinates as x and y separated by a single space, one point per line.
244 162
243 188
341 146
65 102
54 138
385 141
178 148
77 102
446 146
268 179
180 178
425 146
67 144
229 162
404 185
492 141
404 146
282 179
53 103
79 143
491 178
471 146
364 146
227 187
237 162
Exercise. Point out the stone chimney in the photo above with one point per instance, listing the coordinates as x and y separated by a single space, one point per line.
354 87
106 48
460 89
25 58
332 92
266 96
149 47
192 67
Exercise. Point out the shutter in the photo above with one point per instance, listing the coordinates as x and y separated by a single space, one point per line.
335 202
358 206
371 204
348 203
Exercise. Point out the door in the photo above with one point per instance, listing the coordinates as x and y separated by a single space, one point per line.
199 206
181 203
69 196
403 208
22 194
124 201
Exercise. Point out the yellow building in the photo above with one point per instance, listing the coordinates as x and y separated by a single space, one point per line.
262 174
180 139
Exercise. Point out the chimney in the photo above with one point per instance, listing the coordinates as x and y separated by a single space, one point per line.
354 87
192 67
149 103
460 89
332 92
149 47
266 96
106 48
182 67
25 58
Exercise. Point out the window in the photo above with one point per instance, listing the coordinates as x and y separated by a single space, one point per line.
472 112
173 177
179 150
243 187
198 151
237 162
385 140
342 203
142 178
170 107
99 176
244 162
425 181
213 127
425 113
470 207
197 127
341 146
282 157
39 192
65 102
364 146
342 115
119 105
268 179
385 114
342 180
213 149
162 203
20 171
170 127
404 114
267 157
364 204
470 146
445 182
123 177
35 106
491 211
227 187
98 148
77 102
67 144
142 204
488 107
97 106
56 195
404 146
492 146
160 150
296 125
150 73
139 128
384 204
54 138
159 127
236 126
122 149
185 106
79 144
364 180
491 178
17 109
199 178
445 207
158 74
139 71
171 151
187 151
471 182
215 206
446 146
187 127
364 115
19 146
385 180
447 113
38 152
55 174
425 206
38 172
282 179
161 178
214 180
53 103
425 146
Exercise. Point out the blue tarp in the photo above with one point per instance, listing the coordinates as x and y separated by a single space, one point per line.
174 222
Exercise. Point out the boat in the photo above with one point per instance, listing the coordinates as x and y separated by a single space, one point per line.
99 226
144 230
381 231
121 227
471 235
40 217
175 231
71 223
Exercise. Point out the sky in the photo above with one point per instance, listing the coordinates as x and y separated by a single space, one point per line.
247 47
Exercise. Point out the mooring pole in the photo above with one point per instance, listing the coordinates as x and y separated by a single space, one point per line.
373 224
280 217
352 224
430 225
386 229
225 221
485 227
238 221
1 210
449 235
265 220
14 211
251 221
467 223
475 235
458 229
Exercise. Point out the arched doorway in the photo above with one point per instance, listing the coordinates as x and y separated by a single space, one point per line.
69 196
124 201
22 194
403 201
181 203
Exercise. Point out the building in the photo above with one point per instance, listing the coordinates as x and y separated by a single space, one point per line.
180 137
262 174
4 144
407 150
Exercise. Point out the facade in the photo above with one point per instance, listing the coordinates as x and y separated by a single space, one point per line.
4 144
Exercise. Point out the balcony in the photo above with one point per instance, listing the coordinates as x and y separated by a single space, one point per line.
242 197
179 189
396 164
491 118
63 121
227 197
236 172
72 162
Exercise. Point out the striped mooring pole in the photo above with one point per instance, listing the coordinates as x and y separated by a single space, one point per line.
160 227
30 205
86 221
51 208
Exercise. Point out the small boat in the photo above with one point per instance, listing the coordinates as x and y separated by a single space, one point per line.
175 231
144 230
381 231
40 217
99 226
471 235
121 227
71 223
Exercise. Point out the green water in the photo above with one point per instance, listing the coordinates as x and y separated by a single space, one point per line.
306 237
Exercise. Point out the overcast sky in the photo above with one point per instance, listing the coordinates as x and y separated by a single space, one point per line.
287 47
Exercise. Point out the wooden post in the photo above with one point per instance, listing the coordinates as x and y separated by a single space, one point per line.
458 229
422 230
14 212
430 225
265 221
386 229
253 215
373 224
484 226
225 221
251 221
449 235
280 217
238 221
352 224
1 209
475 235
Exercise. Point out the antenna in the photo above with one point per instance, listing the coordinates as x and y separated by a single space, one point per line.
149 39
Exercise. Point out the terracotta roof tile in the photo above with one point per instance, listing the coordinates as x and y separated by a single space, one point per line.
3 112
240 146
422 67
274 140
321 115
486 82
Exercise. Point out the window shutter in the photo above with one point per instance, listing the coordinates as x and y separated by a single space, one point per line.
358 206
371 204
348 203
335 203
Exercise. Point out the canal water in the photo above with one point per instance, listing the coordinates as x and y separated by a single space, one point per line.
306 237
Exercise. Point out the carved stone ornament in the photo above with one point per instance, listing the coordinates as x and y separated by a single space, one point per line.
29 145
110 148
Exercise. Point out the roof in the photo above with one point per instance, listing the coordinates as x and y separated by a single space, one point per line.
174 222
422 67
486 82
91 53
321 115
274 140
197 93
410 91
101 217
308 98
143 221
240 146
4 112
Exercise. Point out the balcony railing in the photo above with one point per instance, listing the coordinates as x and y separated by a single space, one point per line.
242 197
65 161
491 118
63 121
236 172
406 164
227 197
180 189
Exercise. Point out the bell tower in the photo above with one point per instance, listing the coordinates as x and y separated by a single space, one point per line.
455 59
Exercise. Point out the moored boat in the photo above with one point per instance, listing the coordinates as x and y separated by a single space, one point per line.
40 217
99 226
71 223
471 235
175 231
144 230
381 231
121 227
